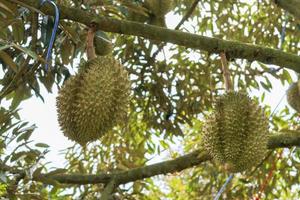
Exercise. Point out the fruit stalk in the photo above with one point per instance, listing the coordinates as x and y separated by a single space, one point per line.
226 73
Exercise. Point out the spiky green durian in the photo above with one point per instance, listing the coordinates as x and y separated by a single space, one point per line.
236 133
159 7
93 101
293 96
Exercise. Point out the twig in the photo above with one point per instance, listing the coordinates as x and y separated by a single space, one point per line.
34 28
226 73
90 50
108 190
184 18
187 14
13 186
261 163
27 6
269 176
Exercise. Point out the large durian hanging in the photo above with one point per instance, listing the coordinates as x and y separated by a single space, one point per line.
236 133
94 100
293 96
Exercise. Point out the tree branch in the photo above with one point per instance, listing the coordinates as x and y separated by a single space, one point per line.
213 45
286 139
233 49
187 161
292 6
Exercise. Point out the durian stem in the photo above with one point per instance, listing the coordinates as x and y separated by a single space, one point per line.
226 73
90 50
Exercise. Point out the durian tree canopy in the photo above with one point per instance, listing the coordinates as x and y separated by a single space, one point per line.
163 140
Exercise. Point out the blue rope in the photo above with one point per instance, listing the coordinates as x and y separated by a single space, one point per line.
48 56
223 187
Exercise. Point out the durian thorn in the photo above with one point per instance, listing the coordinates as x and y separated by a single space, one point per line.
90 49
226 73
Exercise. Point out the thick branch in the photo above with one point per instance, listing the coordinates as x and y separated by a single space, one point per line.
292 6
187 161
287 139
233 49
178 164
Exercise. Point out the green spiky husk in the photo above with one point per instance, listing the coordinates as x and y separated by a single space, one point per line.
293 96
236 133
93 101
159 7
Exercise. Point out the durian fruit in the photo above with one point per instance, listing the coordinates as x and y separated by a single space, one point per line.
236 133
93 101
293 96
158 9
103 45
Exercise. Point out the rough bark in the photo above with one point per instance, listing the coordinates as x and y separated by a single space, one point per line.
286 139
233 49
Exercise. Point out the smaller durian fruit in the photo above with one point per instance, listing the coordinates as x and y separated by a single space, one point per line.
103 45
293 96
236 132
158 9
138 13
93 101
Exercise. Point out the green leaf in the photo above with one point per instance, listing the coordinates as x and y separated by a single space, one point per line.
43 145
265 86
26 135
67 50
6 46
286 76
20 94
262 98
28 52
46 29
9 6
48 81
18 31
37 172
8 61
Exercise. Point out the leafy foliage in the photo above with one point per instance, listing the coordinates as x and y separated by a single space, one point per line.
173 88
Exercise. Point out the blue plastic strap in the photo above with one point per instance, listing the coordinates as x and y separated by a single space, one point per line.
223 187
48 56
